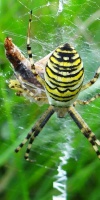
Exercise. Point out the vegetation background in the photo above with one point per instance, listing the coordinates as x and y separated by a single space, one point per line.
54 22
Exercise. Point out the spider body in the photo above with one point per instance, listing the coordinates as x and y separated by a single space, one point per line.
64 75
57 80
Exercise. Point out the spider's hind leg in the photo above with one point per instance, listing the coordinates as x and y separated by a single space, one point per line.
85 130
92 81
35 131
87 101
23 142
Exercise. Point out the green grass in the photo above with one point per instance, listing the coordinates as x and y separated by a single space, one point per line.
18 178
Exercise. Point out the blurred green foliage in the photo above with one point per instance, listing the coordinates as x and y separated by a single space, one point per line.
77 23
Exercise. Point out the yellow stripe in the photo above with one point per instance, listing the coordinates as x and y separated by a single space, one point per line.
56 54
64 70
75 56
60 95
52 82
66 51
65 64
63 79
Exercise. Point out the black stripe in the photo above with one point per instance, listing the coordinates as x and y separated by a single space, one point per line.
64 86
67 89
28 150
47 118
30 55
66 47
67 55
28 47
64 82
64 99
65 61
64 76
97 152
64 69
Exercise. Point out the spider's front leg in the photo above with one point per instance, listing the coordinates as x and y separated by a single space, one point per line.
29 52
85 129
35 131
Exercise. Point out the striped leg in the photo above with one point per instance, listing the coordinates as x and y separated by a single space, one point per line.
85 129
92 81
87 101
29 52
35 131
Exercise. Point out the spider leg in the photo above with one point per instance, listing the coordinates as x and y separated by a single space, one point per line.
15 85
92 81
85 129
87 101
29 148
35 131
29 51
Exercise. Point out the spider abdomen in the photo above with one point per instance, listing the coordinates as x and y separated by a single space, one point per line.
64 75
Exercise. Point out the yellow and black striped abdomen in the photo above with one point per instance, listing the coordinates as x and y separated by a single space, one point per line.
64 75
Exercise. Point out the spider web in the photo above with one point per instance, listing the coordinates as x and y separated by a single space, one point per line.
54 23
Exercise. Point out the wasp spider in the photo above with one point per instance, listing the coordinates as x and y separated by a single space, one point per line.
56 79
